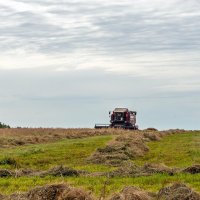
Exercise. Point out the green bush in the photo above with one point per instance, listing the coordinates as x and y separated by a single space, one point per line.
2 125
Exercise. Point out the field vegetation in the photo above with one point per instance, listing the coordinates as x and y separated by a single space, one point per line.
150 160
23 136
177 150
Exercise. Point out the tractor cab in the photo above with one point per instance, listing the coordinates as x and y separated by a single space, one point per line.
123 118
119 115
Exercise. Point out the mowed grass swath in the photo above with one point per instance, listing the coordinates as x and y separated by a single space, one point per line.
70 152
71 149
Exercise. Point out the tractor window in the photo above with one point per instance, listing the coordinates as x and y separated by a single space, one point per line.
119 116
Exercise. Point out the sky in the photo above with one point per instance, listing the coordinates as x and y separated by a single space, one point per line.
68 63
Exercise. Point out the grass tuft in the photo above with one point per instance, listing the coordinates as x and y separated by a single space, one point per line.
8 161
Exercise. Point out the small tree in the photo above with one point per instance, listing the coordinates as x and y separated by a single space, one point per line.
2 125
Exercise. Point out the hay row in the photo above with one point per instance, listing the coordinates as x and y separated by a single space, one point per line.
128 146
22 136
177 191
56 171
128 169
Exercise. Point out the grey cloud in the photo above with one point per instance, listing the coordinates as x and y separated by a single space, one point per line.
118 28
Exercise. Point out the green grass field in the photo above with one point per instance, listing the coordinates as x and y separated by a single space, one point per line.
95 184
68 152
178 150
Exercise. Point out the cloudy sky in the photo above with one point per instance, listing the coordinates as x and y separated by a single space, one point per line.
67 63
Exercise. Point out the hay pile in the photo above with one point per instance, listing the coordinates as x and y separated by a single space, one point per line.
133 193
150 129
173 131
52 192
123 148
128 169
56 171
18 173
152 136
61 171
6 173
75 194
195 169
178 191
157 168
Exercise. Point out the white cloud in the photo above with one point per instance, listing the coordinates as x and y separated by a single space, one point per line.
156 39
23 7
152 65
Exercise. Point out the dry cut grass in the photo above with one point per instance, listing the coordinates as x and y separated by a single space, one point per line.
23 136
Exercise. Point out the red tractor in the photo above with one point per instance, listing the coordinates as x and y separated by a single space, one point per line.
121 118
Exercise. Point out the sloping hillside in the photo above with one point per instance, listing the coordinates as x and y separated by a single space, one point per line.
100 163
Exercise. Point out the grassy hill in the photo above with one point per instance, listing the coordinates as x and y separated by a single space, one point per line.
148 160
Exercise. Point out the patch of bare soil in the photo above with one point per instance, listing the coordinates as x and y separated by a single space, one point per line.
133 193
123 148
195 169
178 191
52 192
